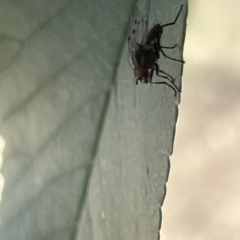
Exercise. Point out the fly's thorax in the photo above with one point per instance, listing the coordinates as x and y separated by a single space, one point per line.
145 57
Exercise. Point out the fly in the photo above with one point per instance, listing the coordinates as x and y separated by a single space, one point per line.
145 47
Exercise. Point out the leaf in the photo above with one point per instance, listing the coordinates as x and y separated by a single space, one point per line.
87 151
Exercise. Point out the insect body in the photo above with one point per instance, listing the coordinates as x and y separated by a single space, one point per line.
145 47
154 36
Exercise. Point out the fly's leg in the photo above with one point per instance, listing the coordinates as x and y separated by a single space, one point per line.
169 24
175 92
174 59
172 23
151 75
173 86
169 47
169 77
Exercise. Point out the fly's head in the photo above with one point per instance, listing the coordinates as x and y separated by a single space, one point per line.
141 74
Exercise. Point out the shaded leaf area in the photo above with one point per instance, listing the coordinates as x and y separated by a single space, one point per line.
22 21
84 158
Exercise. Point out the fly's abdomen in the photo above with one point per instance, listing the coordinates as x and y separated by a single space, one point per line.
153 38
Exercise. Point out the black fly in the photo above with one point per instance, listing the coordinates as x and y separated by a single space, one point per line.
145 47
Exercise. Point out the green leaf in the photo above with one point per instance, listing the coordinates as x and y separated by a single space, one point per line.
87 151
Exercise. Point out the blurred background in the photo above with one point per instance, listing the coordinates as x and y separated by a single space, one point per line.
203 190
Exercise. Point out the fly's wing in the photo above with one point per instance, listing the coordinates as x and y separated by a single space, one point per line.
138 28
145 20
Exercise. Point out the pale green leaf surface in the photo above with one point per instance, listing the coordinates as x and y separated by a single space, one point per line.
87 151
